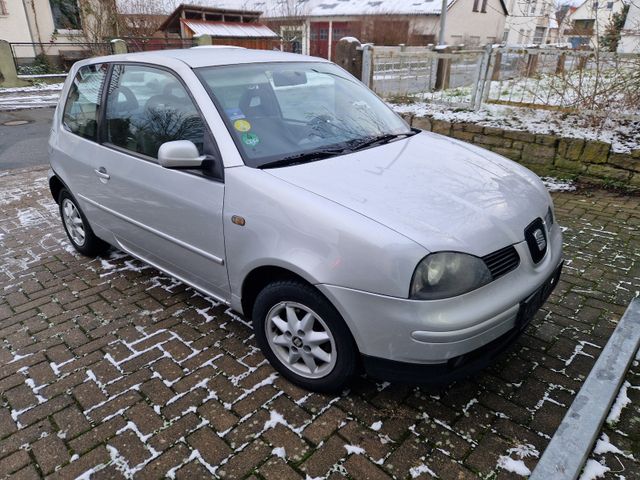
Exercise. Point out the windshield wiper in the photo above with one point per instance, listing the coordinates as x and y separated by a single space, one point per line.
379 140
305 157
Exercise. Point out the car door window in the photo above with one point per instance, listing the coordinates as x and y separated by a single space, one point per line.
83 101
147 107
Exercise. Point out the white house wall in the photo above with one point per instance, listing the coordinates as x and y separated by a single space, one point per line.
464 26
630 35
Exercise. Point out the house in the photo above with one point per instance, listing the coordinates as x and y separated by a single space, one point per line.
33 25
225 26
584 26
530 22
630 35
314 26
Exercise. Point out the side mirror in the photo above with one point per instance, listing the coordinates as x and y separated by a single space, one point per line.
179 154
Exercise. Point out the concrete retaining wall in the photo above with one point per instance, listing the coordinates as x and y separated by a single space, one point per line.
588 160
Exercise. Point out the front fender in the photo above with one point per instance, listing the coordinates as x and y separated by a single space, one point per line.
319 240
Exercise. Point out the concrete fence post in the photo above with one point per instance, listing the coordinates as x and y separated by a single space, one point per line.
532 64
8 72
561 63
202 40
497 66
367 65
443 73
349 55
118 46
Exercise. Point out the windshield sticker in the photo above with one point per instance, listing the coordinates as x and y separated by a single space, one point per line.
242 125
234 114
250 139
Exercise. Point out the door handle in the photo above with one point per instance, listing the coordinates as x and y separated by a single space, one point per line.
102 173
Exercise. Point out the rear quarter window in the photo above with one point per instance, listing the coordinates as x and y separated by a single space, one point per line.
83 101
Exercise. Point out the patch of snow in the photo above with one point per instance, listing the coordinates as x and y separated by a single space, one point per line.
556 185
622 400
275 418
472 402
279 452
415 472
515 466
623 135
354 450
593 469
376 426
604 446
34 88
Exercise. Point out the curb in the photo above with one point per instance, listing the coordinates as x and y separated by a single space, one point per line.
572 443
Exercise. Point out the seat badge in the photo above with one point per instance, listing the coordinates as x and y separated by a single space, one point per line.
540 239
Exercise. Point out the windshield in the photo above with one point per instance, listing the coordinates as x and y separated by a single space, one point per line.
294 112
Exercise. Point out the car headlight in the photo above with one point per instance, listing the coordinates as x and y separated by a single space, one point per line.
548 218
448 274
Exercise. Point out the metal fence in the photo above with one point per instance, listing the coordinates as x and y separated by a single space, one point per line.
532 77
446 77
53 58
564 79
33 60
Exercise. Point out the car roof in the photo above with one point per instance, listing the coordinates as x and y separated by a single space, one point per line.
209 56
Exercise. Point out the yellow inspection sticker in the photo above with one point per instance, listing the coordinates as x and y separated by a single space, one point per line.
242 125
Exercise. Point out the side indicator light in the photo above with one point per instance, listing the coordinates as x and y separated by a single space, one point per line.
238 220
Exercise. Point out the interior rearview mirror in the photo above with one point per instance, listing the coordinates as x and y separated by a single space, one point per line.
289 78
179 154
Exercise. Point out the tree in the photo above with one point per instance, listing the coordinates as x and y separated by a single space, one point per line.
142 18
611 36
99 21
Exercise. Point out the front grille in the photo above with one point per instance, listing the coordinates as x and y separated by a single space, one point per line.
502 261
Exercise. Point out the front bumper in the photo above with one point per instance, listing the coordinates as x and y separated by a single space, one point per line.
468 363
389 329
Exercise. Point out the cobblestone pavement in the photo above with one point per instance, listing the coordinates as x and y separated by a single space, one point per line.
109 369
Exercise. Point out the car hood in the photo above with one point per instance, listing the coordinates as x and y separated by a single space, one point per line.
442 193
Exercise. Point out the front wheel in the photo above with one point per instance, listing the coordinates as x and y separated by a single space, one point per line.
304 337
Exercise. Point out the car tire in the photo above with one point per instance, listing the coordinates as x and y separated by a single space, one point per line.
77 227
320 338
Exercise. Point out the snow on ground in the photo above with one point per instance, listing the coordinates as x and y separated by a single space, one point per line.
36 96
622 400
556 185
517 465
593 469
34 88
622 134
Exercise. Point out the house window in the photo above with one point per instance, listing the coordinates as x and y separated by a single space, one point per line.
609 5
595 5
538 37
66 14
324 34
484 6
475 5
505 36
3 8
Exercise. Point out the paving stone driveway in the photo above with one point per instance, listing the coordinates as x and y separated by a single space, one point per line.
110 369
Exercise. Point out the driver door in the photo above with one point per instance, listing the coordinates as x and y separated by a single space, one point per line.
170 218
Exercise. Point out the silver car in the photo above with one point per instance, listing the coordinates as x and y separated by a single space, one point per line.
279 185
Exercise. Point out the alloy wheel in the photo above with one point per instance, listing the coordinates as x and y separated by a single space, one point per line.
73 222
301 340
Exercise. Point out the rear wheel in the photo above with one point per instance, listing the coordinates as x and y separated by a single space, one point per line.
304 337
78 230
